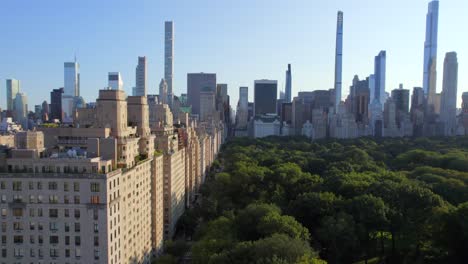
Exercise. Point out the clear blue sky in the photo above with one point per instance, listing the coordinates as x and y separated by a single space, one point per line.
240 40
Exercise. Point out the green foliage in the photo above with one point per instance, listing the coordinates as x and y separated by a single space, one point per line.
288 200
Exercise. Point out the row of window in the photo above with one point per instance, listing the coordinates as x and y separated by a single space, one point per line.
53 213
19 239
53 226
53 199
54 253
52 169
18 186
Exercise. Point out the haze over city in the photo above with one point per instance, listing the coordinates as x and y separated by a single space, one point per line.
240 41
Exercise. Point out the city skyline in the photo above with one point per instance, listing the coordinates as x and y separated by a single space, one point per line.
309 74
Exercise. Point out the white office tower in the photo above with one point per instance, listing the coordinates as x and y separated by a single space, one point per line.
338 59
71 89
140 78
169 59
430 51
163 92
71 85
115 81
448 108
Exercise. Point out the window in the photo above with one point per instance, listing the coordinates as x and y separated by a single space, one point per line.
95 199
53 239
77 213
32 253
40 239
4 212
4 199
53 199
95 214
66 213
17 226
18 239
39 198
18 252
4 226
40 227
67 227
4 240
67 240
2 185
66 187
77 241
66 199
53 213
17 212
53 252
39 212
17 186
53 185
18 198
76 186
32 225
96 254
96 229
4 253
77 253
77 227
40 253
96 241
95 187
31 185
67 253
31 240
32 199
77 199
53 226
39 185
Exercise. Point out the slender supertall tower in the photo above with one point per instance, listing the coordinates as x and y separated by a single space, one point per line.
288 89
338 59
430 51
169 59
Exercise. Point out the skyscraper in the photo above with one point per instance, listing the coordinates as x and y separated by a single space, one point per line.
163 92
242 108
21 109
379 73
196 83
338 58
56 104
169 58
265 96
448 109
430 51
288 96
115 81
71 79
12 88
141 77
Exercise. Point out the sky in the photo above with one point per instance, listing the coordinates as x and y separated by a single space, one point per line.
239 40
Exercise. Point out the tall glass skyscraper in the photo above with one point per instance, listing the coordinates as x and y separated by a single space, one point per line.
12 88
71 79
169 59
338 59
430 50
379 73
288 96
265 96
140 77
